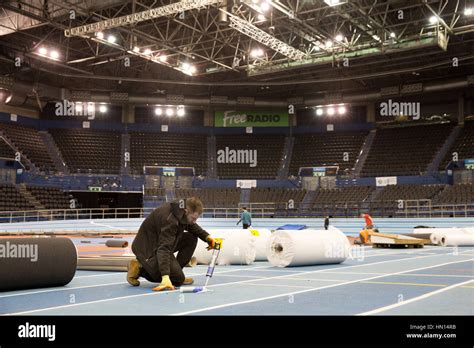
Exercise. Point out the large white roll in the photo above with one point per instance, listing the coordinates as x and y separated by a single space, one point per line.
307 247
435 237
438 233
457 239
237 248
260 235
203 256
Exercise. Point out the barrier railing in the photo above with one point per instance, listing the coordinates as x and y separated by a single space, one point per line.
258 210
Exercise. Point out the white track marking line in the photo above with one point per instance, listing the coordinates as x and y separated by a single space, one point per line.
318 279
101 275
282 286
217 285
109 226
96 285
308 290
61 289
406 275
429 294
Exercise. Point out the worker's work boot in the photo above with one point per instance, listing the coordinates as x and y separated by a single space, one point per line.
192 262
133 273
188 281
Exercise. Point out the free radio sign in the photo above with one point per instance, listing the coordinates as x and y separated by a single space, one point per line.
232 118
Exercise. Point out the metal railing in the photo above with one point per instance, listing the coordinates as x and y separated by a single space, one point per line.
258 210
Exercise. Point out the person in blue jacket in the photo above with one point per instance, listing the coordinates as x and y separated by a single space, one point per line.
246 219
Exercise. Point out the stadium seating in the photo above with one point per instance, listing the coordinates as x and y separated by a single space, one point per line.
212 197
280 196
89 151
464 145
161 149
404 150
269 155
12 200
326 149
30 144
160 192
5 150
393 193
354 194
456 194
50 197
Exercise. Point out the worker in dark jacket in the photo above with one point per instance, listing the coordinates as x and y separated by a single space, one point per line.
160 236
326 222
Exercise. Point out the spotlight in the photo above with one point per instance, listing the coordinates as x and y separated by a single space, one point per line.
333 2
264 6
261 17
111 39
147 51
180 112
192 69
136 49
339 37
433 19
393 35
468 12
256 52
331 111
158 111
319 111
103 108
341 110
43 51
54 54
169 112
5 96
100 35
163 58
328 44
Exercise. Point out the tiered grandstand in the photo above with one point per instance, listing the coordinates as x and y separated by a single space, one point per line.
269 149
161 149
404 150
213 197
89 151
29 142
327 149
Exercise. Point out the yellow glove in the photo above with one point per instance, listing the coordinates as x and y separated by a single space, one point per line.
165 284
211 242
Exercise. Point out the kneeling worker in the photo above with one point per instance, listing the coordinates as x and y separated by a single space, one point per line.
159 237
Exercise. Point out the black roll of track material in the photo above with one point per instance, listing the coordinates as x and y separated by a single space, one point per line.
29 263
116 243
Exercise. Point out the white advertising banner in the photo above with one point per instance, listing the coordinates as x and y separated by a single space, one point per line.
386 180
246 184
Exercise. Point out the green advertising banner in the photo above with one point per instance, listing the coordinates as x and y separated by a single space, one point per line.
234 118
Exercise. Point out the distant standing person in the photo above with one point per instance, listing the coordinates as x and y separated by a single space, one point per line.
246 218
326 222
